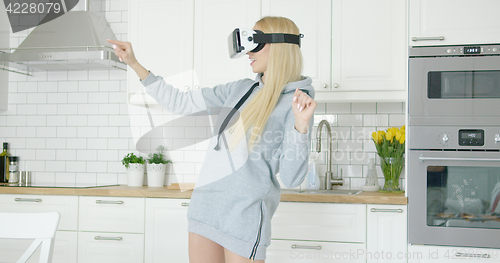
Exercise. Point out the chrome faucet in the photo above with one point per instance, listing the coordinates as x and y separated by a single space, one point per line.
329 181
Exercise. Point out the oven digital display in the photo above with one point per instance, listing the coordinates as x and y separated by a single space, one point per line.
471 137
472 50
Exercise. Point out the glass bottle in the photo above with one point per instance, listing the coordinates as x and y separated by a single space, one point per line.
4 163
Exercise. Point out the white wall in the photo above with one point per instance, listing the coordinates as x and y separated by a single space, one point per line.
74 127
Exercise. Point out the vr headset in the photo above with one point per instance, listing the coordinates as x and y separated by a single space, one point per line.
242 41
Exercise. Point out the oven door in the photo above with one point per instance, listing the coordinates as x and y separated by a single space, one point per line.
454 89
453 198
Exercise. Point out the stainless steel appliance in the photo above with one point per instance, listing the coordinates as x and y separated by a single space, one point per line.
454 146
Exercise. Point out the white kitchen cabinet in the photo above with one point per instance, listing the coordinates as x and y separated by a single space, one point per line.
65 243
353 50
111 214
318 232
320 221
97 247
67 206
369 51
289 251
166 236
4 43
111 229
453 22
214 20
443 254
65 248
313 18
185 42
386 237
161 33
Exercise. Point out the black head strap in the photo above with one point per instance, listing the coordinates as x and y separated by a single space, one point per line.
262 38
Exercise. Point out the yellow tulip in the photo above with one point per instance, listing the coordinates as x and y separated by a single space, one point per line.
389 136
402 139
403 129
381 133
398 135
375 136
380 137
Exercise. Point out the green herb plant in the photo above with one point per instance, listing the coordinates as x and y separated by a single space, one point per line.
158 157
132 158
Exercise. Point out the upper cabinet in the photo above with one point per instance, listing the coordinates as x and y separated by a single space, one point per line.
4 43
453 22
185 42
314 21
353 50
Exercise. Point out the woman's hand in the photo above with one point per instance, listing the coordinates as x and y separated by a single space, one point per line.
125 53
303 108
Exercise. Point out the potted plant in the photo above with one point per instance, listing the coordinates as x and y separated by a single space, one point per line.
135 169
156 168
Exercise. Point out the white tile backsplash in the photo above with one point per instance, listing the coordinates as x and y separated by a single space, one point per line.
75 126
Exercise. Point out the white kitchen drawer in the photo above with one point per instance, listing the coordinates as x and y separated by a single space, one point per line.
65 248
67 206
111 214
320 222
97 247
445 254
285 251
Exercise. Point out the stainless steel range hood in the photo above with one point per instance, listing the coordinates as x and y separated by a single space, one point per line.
73 41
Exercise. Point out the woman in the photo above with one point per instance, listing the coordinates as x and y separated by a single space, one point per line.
237 193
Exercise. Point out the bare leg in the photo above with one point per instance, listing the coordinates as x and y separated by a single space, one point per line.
235 258
204 250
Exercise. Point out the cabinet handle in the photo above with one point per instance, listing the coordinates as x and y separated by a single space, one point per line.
467 255
184 204
186 87
335 85
325 85
196 87
36 200
440 38
306 247
108 238
386 210
109 202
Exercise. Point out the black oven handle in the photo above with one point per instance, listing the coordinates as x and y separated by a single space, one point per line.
423 158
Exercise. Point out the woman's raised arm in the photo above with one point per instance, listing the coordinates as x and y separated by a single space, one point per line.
124 51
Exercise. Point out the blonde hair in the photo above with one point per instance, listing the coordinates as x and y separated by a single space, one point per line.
284 66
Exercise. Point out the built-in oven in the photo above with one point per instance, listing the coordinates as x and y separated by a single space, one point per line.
453 157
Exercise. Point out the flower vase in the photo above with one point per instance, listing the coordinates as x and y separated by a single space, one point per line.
156 174
135 174
391 168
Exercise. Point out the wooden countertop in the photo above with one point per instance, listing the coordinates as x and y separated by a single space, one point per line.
163 192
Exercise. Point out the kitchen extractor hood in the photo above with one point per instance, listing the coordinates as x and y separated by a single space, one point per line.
73 41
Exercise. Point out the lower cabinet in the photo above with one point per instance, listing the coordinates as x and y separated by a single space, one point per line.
386 233
288 251
318 232
65 243
132 229
166 230
97 247
65 249
442 254
111 229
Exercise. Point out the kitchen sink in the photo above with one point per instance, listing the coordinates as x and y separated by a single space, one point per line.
331 192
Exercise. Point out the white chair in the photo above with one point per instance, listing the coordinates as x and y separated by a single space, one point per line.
39 226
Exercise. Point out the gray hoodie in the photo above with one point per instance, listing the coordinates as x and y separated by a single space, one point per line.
237 191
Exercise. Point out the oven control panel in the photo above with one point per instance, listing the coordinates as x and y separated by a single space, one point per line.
453 137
